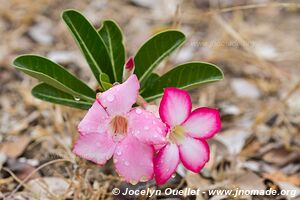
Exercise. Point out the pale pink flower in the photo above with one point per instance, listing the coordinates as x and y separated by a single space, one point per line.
187 132
112 128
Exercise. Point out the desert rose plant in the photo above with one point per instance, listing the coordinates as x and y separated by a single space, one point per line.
117 124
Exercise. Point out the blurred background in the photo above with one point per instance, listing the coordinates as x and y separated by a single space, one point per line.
255 43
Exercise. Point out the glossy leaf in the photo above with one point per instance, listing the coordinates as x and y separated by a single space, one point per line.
112 36
48 93
90 42
53 74
154 51
185 76
153 77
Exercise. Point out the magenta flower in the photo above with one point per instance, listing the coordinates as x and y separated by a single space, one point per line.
112 128
187 132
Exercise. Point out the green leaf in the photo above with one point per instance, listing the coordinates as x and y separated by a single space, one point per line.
53 74
112 36
153 77
48 93
105 82
154 51
185 76
90 43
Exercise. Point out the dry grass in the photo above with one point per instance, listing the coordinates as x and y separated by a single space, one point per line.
259 146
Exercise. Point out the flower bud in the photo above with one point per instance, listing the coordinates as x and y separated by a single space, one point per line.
128 68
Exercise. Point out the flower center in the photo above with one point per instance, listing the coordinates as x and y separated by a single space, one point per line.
176 134
119 125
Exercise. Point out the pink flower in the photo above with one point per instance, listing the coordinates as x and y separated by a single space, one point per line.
187 132
111 128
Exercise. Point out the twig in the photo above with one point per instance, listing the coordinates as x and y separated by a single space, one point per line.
18 180
33 172
253 6
235 35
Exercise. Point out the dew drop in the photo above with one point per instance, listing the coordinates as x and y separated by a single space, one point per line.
146 127
159 130
76 98
138 111
126 163
137 132
174 175
119 153
110 97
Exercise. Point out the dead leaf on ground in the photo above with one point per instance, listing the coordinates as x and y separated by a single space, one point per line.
21 169
14 149
281 156
249 181
49 187
278 176
196 181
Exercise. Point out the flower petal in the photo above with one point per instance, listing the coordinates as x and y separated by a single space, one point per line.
120 98
175 106
134 160
96 147
165 163
146 127
203 123
193 153
94 121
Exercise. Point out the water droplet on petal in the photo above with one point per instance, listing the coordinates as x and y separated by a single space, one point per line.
119 153
138 111
174 175
110 97
137 132
146 127
159 130
76 98
126 163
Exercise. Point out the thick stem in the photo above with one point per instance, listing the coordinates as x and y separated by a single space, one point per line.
141 102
